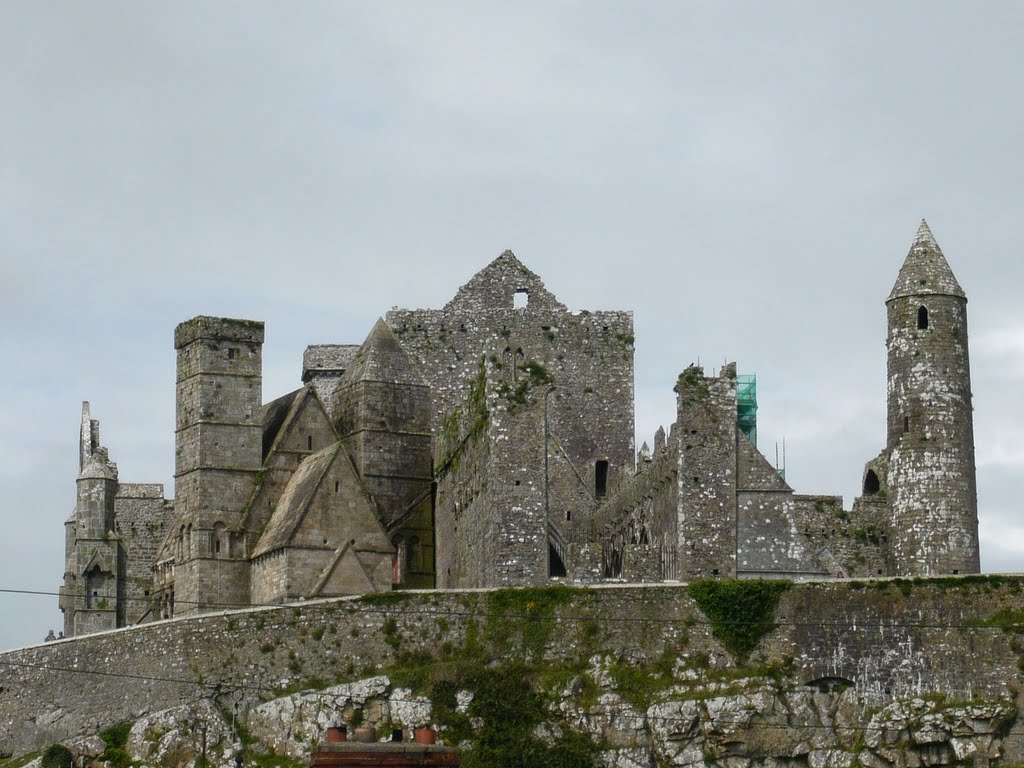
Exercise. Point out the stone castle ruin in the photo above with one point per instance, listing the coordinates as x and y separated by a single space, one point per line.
490 443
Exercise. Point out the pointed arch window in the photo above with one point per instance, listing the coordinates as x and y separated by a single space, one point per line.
871 484
220 540
94 584
922 318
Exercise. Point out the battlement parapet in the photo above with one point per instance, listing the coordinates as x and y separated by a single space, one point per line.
218 329
140 490
327 358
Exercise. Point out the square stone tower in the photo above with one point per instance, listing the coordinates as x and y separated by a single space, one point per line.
219 451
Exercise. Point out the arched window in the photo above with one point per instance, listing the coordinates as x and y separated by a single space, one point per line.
398 563
94 583
871 484
922 317
220 540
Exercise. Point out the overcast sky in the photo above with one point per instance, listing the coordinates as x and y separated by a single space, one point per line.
745 177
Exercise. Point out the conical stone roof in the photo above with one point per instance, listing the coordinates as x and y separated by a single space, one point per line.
925 270
381 358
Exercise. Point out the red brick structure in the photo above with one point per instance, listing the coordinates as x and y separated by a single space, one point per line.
400 754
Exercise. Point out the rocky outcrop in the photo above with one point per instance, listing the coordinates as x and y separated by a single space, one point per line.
907 674
695 722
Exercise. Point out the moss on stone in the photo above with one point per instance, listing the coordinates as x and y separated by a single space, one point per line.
57 756
741 612
115 738
1007 619
522 620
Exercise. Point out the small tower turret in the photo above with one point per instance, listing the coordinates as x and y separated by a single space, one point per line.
933 516
91 597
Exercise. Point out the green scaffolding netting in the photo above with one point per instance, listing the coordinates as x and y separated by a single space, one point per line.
746 405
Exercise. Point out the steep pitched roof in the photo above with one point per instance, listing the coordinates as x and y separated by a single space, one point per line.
293 502
925 270
278 415
274 414
755 472
381 358
355 518
495 286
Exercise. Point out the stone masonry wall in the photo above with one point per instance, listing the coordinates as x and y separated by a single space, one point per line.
565 384
769 540
323 365
886 639
142 517
588 357
706 434
857 540
637 527
218 451
933 496
388 436
464 527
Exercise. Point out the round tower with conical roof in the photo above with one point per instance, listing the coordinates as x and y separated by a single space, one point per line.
933 507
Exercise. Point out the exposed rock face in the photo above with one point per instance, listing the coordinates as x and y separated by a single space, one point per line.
743 723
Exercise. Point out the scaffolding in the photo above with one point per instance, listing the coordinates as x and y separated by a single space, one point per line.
746 406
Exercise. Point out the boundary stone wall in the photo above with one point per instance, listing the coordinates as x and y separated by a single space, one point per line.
888 638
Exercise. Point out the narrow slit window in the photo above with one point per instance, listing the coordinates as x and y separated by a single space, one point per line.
906 423
922 318
309 442
601 478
